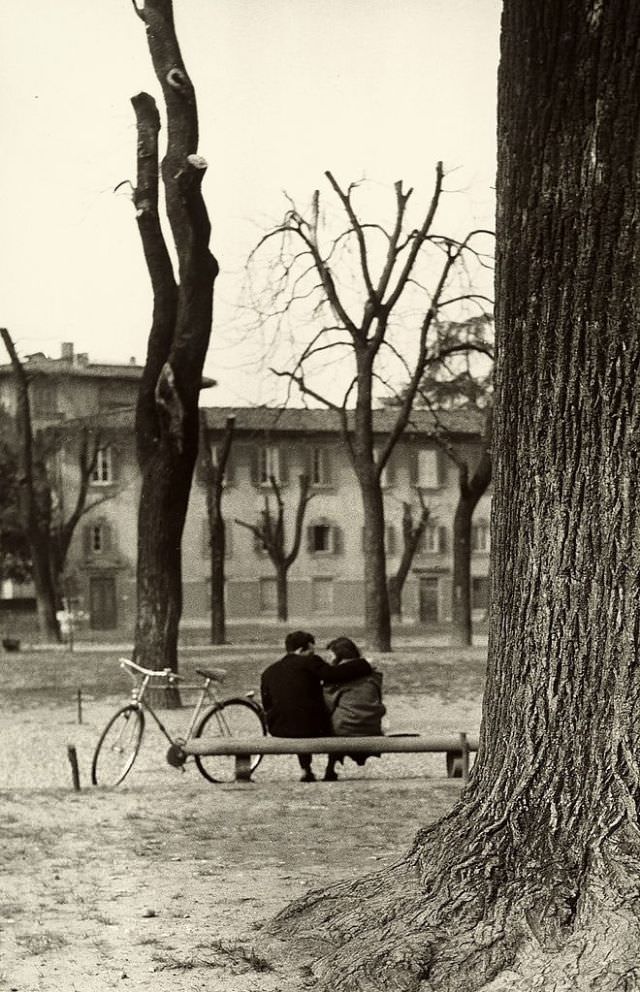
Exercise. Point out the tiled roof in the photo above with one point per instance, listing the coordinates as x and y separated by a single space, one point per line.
60 367
276 420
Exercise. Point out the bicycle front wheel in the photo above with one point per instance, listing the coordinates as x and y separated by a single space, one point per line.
231 718
118 747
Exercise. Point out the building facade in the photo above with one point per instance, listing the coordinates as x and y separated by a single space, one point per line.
326 580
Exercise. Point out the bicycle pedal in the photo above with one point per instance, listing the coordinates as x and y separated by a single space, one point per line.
176 756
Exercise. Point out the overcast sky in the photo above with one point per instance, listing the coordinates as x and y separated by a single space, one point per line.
286 89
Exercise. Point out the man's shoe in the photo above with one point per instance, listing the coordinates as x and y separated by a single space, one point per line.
308 777
330 777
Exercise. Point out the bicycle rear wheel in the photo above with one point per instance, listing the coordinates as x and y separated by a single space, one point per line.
231 718
118 747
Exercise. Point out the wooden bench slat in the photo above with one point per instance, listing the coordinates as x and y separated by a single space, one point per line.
326 745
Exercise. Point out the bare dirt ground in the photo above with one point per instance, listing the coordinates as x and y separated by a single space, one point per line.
165 882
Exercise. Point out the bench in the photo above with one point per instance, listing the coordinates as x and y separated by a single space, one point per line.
457 749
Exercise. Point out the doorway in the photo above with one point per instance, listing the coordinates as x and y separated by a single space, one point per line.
428 599
102 602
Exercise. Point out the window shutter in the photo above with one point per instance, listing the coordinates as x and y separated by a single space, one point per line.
86 540
106 533
443 539
115 462
337 541
413 466
206 547
442 468
283 464
254 466
327 466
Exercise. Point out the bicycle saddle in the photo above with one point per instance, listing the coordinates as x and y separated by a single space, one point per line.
215 674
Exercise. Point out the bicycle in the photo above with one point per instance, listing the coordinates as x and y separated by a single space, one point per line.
120 741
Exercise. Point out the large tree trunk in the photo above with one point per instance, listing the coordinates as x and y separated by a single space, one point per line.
167 411
533 879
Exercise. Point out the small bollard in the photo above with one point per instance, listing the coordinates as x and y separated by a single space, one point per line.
73 761
79 694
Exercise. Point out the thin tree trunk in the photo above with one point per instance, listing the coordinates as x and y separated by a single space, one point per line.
470 493
282 592
218 613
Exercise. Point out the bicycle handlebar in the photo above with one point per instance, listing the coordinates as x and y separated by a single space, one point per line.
164 673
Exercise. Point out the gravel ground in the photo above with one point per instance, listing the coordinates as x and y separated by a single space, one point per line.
164 882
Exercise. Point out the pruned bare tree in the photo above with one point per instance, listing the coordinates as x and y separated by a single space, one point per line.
167 408
40 511
270 534
212 475
412 532
370 325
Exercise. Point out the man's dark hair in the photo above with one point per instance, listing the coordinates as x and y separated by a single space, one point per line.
344 648
298 639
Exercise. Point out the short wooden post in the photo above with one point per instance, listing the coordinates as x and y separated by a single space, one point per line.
243 767
73 761
79 695
464 746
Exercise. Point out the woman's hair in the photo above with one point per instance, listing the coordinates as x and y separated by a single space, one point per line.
344 648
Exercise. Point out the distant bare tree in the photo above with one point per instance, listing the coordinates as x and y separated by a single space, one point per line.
40 515
270 534
412 533
362 322
212 474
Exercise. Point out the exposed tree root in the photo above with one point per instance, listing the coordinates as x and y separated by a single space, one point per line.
425 926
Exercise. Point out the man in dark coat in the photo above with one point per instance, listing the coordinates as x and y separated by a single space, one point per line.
292 692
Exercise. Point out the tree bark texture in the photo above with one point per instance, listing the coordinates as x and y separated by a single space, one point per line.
533 879
167 409
470 492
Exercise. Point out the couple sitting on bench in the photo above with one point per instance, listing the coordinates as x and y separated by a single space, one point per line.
304 696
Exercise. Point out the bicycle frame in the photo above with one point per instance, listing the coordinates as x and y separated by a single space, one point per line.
207 694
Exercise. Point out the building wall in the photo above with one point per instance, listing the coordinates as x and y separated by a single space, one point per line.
321 583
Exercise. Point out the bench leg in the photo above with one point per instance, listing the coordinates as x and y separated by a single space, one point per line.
243 767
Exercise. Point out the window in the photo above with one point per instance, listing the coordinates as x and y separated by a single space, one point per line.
102 474
480 592
44 398
319 538
429 475
323 538
320 467
434 540
97 539
480 537
269 465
